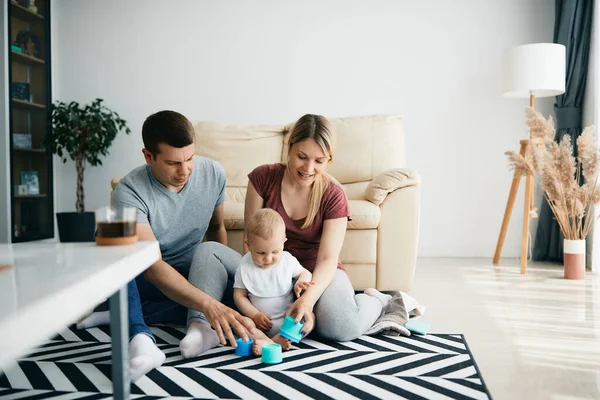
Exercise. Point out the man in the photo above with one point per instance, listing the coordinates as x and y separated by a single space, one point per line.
179 198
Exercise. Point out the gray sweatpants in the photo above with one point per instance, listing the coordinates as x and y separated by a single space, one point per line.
340 314
212 266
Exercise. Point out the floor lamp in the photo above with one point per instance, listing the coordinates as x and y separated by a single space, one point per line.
530 71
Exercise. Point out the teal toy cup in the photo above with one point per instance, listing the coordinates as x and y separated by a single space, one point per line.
291 331
271 353
244 348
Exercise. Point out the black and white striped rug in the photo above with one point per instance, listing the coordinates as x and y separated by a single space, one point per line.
76 365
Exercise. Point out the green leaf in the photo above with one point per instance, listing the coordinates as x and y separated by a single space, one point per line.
87 130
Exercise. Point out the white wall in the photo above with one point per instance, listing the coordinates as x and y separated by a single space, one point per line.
437 62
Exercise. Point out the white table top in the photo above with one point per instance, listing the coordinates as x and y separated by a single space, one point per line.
51 285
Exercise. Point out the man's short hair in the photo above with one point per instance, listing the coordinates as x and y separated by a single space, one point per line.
264 223
169 127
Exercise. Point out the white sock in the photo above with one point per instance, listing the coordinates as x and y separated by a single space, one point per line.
384 298
144 356
95 319
197 340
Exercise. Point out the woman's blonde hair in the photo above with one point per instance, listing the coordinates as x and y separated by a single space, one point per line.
318 128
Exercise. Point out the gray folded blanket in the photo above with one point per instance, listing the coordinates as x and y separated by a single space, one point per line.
392 319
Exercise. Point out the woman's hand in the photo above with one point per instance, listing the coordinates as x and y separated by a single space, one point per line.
303 309
223 319
301 286
262 321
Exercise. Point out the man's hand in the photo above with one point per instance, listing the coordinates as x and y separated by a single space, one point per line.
223 319
262 321
301 286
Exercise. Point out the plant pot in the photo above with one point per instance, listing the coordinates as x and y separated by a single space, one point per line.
574 258
76 227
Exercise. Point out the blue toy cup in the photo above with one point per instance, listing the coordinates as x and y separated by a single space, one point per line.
271 353
244 348
291 331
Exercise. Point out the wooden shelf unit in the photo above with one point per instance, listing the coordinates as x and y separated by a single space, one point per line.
27 59
18 11
28 104
32 215
24 150
31 196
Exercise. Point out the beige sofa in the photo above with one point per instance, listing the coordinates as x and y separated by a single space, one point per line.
380 247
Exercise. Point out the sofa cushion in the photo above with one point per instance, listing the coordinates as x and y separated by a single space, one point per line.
360 247
364 146
233 214
355 191
365 215
239 148
237 194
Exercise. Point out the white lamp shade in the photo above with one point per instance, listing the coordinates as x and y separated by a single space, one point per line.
537 69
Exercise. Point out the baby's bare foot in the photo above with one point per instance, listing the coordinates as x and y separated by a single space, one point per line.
285 343
258 344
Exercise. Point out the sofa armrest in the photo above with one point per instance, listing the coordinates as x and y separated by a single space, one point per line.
398 239
393 179
114 181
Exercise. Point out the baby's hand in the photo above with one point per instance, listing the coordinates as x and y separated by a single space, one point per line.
262 321
301 286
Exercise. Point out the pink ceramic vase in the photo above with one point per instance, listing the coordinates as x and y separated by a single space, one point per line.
574 258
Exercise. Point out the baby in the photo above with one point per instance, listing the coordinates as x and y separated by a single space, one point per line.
263 289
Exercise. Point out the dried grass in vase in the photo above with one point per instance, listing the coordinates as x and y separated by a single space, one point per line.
561 174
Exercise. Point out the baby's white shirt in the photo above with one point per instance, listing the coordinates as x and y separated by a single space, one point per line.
270 282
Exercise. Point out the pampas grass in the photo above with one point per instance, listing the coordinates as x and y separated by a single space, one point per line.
561 174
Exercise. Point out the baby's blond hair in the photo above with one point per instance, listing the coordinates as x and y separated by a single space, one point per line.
264 223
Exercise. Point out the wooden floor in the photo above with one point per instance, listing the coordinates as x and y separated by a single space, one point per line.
534 336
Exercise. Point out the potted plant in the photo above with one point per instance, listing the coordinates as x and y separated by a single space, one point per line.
569 183
83 133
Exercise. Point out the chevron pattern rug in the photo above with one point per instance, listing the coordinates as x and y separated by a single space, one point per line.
76 365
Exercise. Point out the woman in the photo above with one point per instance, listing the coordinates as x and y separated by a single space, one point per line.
315 210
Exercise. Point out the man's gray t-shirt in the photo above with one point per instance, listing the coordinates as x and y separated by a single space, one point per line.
178 220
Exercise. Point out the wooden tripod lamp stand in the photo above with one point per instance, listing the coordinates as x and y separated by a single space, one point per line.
530 71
